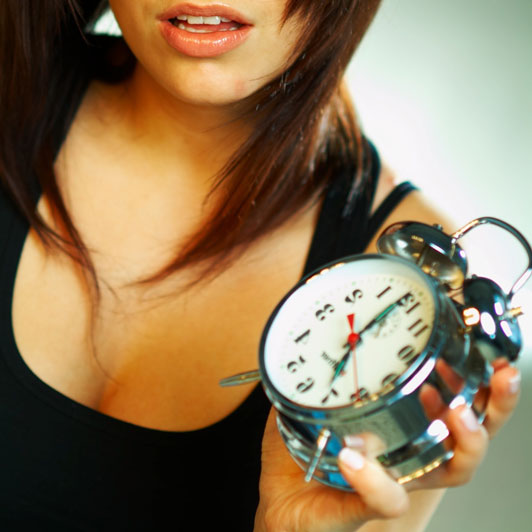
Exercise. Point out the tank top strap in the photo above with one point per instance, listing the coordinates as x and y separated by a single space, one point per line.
338 234
341 226
387 206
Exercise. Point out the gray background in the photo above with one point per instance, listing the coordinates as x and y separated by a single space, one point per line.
445 91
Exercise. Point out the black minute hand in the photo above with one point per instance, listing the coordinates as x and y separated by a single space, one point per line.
383 314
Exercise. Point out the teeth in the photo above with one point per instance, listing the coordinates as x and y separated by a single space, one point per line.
195 20
191 30
181 26
214 21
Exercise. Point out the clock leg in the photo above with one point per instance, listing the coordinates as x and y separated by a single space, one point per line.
321 443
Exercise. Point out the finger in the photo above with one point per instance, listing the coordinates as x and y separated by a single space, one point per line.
500 363
276 459
471 443
505 387
453 381
432 403
382 495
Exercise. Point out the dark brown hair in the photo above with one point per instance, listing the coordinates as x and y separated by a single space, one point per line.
305 131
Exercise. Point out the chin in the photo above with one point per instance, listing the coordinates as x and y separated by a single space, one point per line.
206 93
208 85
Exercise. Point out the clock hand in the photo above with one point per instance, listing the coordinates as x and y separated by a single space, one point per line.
382 315
352 339
340 365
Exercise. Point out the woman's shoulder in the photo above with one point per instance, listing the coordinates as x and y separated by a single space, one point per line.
415 206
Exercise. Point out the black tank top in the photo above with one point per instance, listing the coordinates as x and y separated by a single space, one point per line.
66 467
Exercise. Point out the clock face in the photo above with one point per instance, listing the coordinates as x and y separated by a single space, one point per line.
349 333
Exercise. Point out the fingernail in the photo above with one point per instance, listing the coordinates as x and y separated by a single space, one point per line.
515 383
355 442
352 459
459 400
469 420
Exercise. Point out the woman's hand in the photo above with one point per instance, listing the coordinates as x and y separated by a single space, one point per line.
288 504
470 437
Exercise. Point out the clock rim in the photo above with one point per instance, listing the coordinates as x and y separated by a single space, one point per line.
426 359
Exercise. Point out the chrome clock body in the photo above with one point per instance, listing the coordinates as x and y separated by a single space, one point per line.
306 339
349 349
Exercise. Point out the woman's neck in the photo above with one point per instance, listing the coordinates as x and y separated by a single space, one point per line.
198 138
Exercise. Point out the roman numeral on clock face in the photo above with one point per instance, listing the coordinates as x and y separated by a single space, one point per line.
385 291
418 327
413 307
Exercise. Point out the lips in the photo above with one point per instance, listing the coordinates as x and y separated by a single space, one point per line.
203 31
212 10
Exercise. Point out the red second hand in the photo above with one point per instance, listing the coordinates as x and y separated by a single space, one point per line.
352 340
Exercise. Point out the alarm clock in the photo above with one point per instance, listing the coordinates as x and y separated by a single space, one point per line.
350 347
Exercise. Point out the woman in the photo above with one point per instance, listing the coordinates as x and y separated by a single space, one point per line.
161 197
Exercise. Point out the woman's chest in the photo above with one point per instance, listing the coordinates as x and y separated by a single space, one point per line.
153 358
